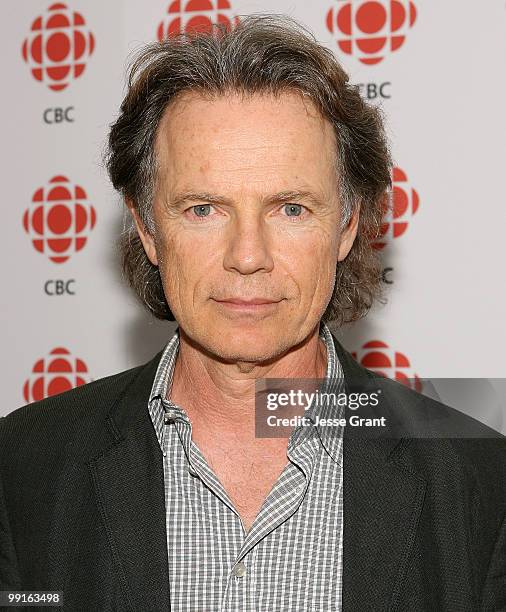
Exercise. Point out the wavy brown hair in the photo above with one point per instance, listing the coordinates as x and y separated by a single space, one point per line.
263 54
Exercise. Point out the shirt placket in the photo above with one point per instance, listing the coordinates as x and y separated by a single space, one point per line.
282 502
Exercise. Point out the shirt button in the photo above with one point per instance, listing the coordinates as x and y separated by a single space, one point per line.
240 569
170 416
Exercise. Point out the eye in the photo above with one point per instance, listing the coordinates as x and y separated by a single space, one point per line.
201 210
293 210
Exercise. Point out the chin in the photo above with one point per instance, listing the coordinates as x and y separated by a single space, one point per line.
247 342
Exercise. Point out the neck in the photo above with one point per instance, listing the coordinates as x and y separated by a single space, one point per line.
219 397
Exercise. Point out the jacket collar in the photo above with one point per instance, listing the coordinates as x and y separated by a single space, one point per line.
129 488
382 502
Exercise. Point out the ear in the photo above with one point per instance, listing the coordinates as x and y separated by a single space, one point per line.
348 235
146 238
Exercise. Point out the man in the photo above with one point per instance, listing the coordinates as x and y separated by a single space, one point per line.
256 178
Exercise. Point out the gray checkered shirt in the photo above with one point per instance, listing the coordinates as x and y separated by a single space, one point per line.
291 558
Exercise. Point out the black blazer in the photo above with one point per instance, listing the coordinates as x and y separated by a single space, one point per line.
82 505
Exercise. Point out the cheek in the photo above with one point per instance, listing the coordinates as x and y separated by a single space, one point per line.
186 263
312 258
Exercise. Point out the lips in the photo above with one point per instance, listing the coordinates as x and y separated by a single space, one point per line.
248 302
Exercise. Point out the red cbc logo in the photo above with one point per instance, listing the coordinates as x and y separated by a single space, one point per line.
59 219
58 46
58 372
370 29
377 356
404 204
197 15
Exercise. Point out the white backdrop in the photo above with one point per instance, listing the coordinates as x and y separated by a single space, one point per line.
442 89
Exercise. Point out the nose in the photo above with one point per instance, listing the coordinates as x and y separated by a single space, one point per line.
248 248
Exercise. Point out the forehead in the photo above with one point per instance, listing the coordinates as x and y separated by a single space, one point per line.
254 136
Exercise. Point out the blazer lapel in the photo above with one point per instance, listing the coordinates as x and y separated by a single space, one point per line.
382 505
129 485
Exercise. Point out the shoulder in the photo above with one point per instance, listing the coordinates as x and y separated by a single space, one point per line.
77 415
446 445
431 438
74 404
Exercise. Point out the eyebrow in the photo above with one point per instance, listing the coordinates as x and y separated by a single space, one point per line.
281 196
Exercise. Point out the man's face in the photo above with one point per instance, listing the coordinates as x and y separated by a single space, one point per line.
247 207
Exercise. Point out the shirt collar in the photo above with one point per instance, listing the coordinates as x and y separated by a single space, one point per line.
330 436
